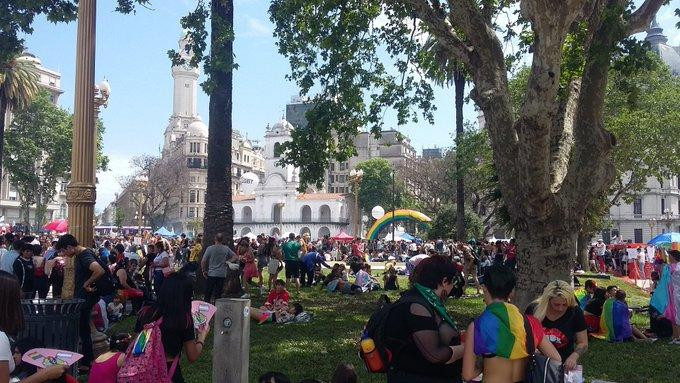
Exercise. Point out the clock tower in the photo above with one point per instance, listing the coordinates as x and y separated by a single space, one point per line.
185 86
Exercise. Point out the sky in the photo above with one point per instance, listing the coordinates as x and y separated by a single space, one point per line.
131 55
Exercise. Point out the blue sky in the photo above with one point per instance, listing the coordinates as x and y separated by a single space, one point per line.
131 54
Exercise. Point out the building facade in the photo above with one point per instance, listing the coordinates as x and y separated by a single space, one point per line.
392 146
657 210
10 214
275 207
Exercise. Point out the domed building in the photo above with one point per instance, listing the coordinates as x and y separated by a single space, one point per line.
276 208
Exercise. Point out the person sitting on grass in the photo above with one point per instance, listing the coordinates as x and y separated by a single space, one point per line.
115 310
390 279
105 367
611 291
593 310
499 335
292 314
277 298
586 295
363 281
635 334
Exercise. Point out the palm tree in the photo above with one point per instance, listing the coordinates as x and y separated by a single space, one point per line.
18 87
445 71
218 216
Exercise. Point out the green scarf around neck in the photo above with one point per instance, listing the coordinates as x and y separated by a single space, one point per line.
432 298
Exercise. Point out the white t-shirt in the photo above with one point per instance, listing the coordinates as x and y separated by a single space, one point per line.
600 248
631 255
6 351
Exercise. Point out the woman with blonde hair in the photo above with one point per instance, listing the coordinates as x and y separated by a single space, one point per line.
563 321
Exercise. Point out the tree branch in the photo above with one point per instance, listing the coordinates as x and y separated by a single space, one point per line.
437 25
642 17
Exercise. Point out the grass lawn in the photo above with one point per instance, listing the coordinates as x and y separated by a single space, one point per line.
313 350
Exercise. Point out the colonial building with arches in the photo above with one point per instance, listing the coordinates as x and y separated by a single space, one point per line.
273 206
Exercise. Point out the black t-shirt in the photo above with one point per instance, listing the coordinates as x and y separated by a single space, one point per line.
23 268
594 306
173 340
82 270
562 332
399 326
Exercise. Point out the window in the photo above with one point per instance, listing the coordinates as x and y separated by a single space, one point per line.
12 194
333 167
205 148
181 211
194 163
194 147
663 205
192 196
181 198
193 178
637 233
63 186
192 212
277 150
637 206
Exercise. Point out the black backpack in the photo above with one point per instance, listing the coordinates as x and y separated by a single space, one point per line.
377 324
104 285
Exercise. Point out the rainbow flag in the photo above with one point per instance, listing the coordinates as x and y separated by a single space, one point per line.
615 321
663 294
581 294
500 331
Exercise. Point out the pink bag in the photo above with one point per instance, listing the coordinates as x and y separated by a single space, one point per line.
145 360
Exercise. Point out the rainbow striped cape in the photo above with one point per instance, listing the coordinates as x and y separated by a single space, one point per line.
500 331
614 321
663 294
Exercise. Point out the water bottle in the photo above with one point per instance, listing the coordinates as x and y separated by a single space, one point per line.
374 362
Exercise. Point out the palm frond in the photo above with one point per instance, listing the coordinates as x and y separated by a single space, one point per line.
19 83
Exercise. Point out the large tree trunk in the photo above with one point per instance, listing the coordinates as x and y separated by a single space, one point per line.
3 113
459 85
582 248
218 207
543 255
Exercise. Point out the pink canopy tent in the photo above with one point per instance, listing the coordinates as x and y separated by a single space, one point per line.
58 225
343 237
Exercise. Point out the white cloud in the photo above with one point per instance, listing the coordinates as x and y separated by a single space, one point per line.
257 28
108 184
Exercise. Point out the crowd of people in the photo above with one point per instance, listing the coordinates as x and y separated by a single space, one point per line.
155 281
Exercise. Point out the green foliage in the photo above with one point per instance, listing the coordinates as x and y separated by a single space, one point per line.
376 186
338 48
38 151
642 112
16 18
18 83
119 218
444 224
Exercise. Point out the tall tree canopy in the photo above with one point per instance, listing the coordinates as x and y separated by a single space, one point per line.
552 156
38 151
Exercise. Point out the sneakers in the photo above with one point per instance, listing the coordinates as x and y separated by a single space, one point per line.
245 296
675 341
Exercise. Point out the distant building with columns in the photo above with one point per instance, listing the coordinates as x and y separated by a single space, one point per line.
273 206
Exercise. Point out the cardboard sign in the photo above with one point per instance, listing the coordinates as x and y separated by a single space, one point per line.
46 357
202 312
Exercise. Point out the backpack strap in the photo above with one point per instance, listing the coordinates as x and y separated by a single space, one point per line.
173 367
530 344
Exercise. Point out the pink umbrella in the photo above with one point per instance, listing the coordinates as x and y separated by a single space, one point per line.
58 225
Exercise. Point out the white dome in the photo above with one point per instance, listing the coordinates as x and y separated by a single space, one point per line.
197 129
281 126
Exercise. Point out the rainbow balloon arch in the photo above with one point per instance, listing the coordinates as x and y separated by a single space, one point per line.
397 215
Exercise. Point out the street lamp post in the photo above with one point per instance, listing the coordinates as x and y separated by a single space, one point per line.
668 218
81 193
393 204
355 178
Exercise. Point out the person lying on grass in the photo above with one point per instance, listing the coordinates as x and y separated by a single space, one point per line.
293 314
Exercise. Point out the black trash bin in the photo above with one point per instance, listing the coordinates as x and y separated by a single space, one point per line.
54 322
